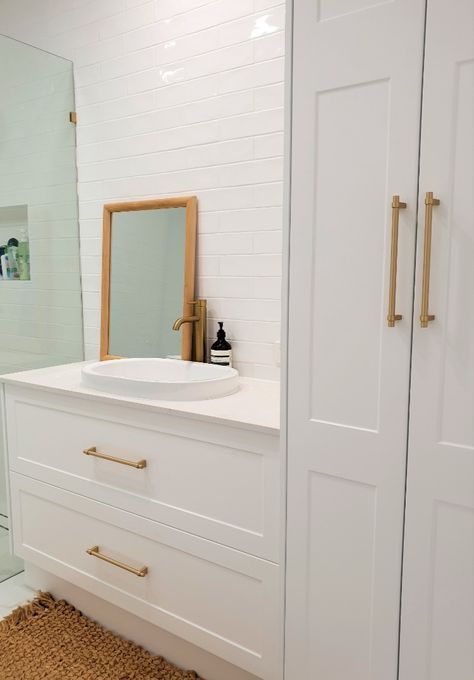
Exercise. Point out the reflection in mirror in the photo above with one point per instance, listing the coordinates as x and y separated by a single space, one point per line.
148 278
146 282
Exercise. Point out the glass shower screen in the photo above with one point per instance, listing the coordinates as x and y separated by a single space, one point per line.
40 284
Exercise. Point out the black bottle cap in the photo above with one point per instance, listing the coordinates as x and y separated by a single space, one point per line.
221 331
221 343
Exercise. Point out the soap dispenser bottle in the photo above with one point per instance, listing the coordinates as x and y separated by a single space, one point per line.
221 350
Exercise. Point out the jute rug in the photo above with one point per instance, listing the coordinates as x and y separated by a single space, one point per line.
51 640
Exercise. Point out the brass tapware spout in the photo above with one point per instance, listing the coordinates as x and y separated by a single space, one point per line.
184 319
199 321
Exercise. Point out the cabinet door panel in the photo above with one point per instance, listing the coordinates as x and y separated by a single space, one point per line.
438 599
356 109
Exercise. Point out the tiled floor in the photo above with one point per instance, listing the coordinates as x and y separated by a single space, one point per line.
13 593
9 565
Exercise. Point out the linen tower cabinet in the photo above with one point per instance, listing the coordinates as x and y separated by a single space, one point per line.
380 360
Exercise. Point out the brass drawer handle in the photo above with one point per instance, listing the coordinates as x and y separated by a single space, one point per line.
425 316
95 552
392 317
139 465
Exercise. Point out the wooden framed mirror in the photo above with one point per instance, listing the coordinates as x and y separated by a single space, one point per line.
148 271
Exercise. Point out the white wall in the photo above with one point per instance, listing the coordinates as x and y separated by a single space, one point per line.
180 97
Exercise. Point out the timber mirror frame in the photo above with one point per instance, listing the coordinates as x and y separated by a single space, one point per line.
188 202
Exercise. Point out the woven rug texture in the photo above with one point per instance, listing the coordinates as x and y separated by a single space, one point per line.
49 639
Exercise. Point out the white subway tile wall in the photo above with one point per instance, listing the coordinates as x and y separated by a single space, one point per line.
181 97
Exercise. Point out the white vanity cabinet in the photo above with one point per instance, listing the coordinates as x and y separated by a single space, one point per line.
181 514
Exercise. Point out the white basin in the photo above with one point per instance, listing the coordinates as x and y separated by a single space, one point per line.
166 379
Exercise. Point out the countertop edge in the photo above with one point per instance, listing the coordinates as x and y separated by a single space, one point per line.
151 407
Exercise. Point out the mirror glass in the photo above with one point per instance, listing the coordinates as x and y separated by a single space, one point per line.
149 265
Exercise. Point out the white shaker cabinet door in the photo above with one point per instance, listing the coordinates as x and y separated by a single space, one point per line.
357 76
437 631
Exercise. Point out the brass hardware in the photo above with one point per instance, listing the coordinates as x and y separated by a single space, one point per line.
139 465
425 317
199 321
73 117
95 552
392 296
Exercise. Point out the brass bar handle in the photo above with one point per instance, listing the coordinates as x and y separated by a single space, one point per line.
392 317
425 316
95 552
92 451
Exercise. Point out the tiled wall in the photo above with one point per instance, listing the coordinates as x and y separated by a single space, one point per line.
40 319
181 97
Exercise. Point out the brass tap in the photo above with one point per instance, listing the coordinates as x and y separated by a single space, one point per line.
184 319
199 321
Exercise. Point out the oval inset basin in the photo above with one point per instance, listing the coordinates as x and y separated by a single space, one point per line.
167 379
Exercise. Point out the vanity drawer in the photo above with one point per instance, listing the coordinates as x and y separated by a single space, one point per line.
224 601
214 482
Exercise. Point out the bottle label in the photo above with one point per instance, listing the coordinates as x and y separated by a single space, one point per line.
223 357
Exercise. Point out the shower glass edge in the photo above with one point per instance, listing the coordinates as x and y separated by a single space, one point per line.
40 301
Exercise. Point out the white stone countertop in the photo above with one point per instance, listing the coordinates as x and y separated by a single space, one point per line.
256 406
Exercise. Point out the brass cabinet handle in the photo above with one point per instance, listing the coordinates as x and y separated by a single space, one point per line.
397 205
139 464
425 316
95 552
